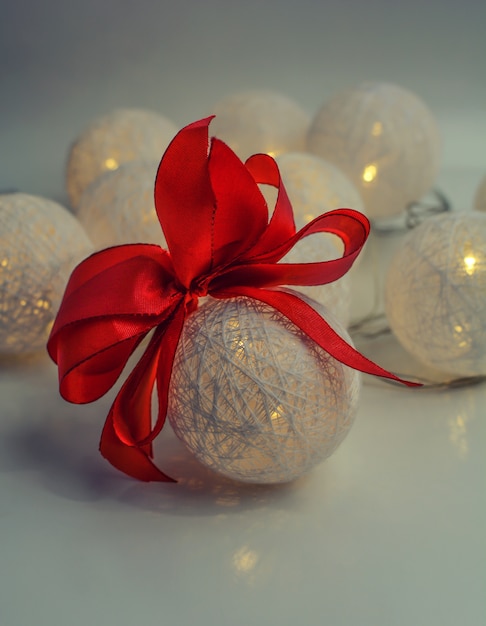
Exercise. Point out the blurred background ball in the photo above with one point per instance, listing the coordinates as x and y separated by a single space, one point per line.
385 139
335 296
119 207
40 243
315 186
253 397
480 197
260 121
435 293
121 136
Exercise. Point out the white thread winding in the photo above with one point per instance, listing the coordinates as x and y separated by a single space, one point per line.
315 186
260 121
119 137
385 139
435 293
119 206
40 243
253 397
335 296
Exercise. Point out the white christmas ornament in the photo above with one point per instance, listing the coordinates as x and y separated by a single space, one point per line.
119 206
435 293
253 397
385 139
480 197
260 121
121 136
315 186
335 296
40 243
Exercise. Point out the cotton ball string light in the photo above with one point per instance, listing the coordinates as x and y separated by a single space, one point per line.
435 293
40 242
260 121
480 197
335 296
315 186
385 139
119 206
118 137
253 397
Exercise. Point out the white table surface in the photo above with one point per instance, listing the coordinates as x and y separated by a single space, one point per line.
390 531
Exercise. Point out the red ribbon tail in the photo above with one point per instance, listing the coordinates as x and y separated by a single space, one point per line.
171 336
133 461
126 440
316 327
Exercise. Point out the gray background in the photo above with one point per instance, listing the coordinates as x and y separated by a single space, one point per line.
63 63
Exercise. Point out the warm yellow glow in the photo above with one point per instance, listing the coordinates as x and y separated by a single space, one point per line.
377 129
244 559
150 218
469 263
277 412
4 263
369 173
232 323
111 164
238 345
459 330
42 304
273 153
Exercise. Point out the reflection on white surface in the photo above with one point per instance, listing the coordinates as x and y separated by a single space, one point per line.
396 511
244 560
458 435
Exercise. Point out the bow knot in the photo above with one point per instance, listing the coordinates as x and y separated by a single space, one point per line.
200 289
222 243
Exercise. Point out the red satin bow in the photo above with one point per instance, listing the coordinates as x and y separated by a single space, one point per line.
221 243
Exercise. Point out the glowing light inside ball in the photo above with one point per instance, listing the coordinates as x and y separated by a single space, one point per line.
436 293
385 139
109 141
369 173
260 121
119 206
254 398
40 242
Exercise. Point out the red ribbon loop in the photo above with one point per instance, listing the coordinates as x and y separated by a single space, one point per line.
220 242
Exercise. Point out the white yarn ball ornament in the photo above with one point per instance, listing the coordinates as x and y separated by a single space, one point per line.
480 197
121 136
335 296
40 243
435 293
315 186
119 206
385 139
260 121
253 397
